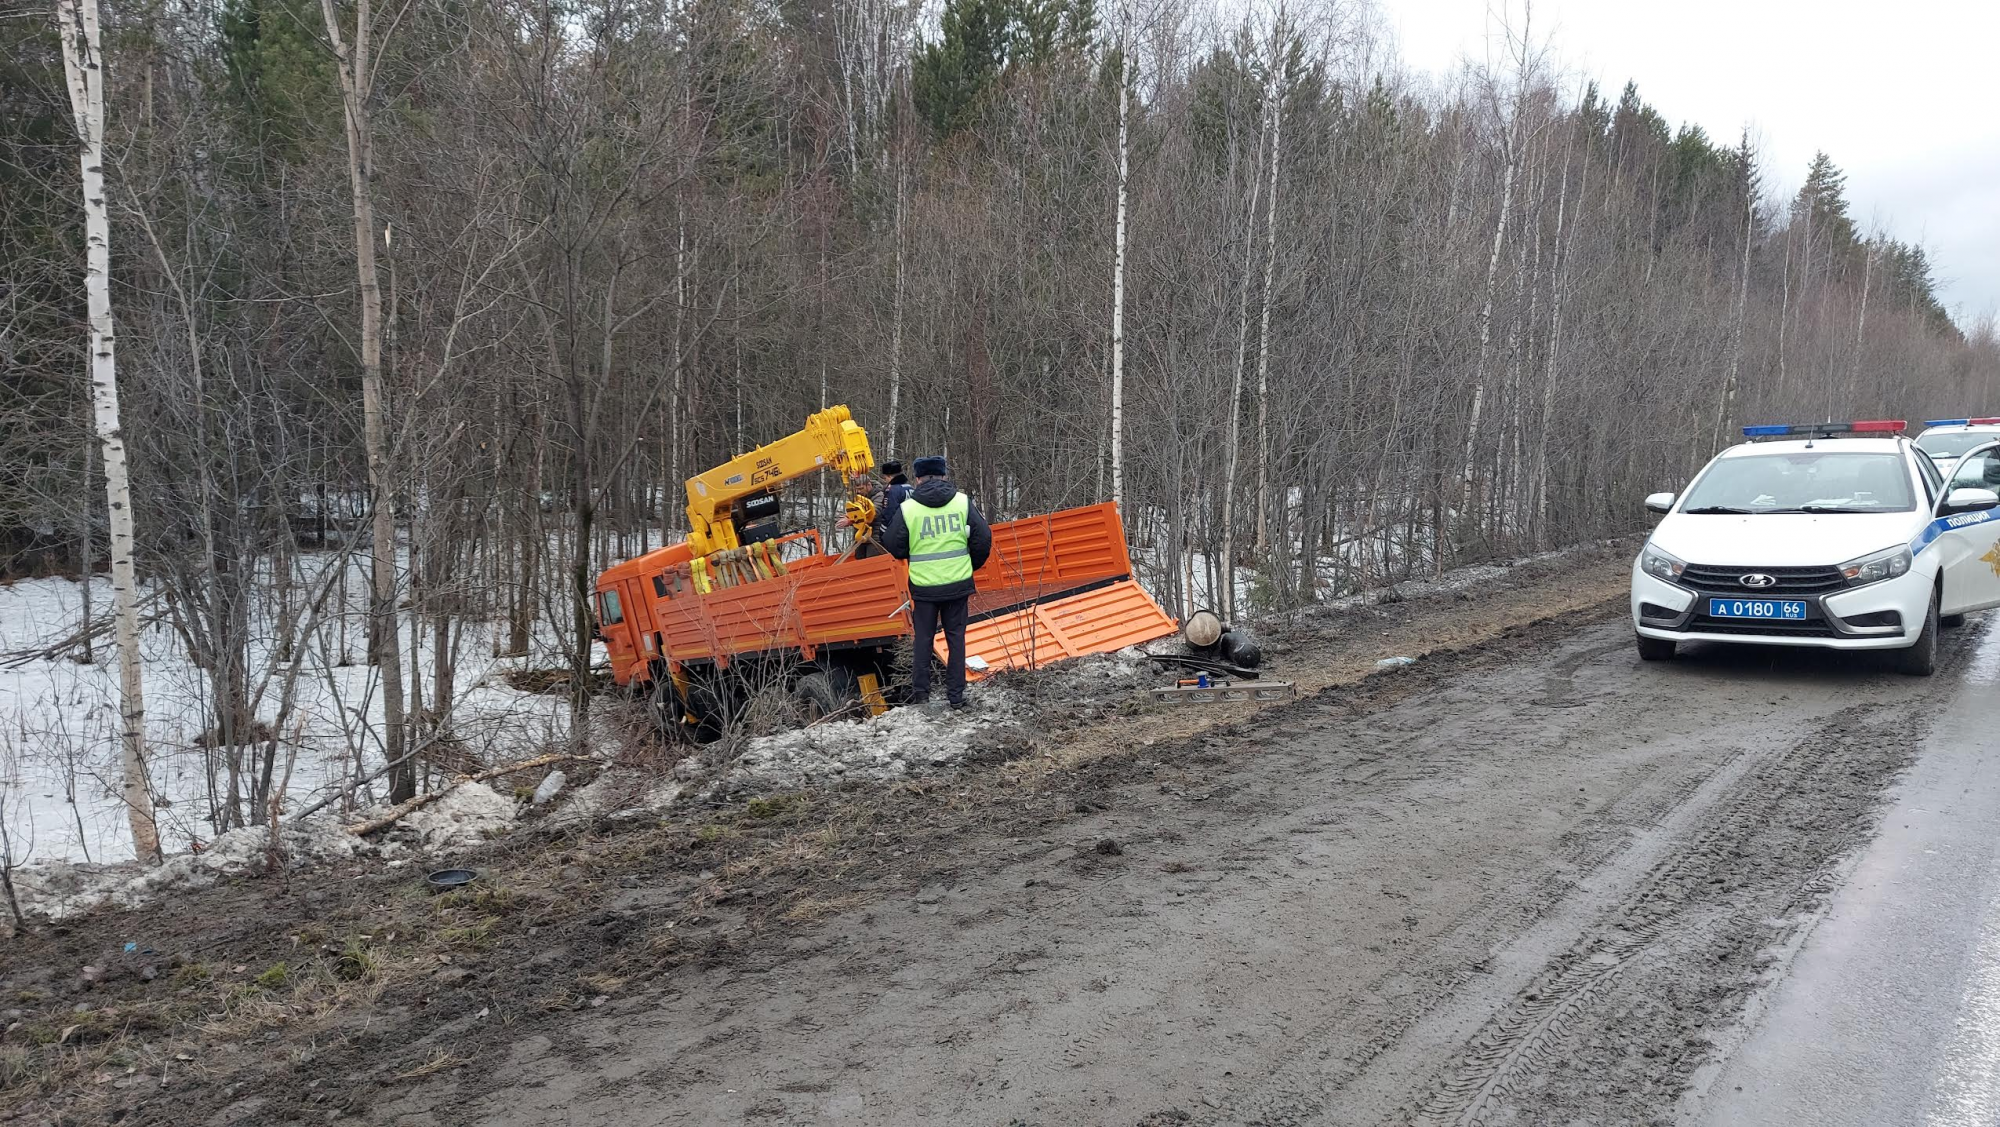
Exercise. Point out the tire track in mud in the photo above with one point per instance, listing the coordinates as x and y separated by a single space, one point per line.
1722 890
1372 1058
1319 1064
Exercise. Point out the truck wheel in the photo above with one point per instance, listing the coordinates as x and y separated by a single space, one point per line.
1920 660
663 708
818 698
1656 649
712 703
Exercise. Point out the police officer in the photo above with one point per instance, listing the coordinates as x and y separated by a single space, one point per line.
945 538
899 485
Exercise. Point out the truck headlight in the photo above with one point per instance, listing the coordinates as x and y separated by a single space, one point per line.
1874 569
1661 565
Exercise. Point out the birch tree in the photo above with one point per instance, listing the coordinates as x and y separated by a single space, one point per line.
1277 99
1234 408
355 64
83 63
1118 261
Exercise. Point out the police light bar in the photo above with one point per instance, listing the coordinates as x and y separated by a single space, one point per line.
1859 426
1987 422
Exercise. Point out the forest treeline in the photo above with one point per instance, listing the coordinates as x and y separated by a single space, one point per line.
1366 326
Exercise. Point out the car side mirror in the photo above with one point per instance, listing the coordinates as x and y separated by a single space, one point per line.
1970 500
1659 502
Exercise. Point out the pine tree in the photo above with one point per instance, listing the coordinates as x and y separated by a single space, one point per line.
949 77
1823 200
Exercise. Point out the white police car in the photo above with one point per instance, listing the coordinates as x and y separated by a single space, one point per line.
1946 439
1841 535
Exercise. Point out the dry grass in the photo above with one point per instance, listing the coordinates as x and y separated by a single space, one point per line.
813 909
439 1061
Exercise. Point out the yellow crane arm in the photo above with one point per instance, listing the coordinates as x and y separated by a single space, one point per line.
831 439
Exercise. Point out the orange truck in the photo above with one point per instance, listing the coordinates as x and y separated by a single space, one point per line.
741 608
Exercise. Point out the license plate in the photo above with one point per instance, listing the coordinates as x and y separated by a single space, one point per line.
1786 610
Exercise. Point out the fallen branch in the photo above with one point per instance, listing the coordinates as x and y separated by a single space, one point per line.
397 814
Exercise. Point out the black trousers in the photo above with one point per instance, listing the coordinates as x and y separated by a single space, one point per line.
924 617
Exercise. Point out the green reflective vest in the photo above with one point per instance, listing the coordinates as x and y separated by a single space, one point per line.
940 540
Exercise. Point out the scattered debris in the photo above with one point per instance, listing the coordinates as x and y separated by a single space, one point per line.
1395 662
1109 847
550 787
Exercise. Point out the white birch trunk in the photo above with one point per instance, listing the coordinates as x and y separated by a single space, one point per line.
667 518
1726 410
83 64
1486 312
1234 407
1118 275
1785 305
896 316
1264 318
1558 287
1860 324
356 83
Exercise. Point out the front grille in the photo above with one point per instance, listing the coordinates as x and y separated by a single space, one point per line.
1792 582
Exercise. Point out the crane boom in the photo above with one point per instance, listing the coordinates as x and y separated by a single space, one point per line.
831 439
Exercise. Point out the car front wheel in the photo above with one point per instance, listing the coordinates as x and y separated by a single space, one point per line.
1655 649
1920 660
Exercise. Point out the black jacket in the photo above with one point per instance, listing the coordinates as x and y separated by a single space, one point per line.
896 538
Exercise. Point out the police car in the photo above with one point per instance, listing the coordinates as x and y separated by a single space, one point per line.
1839 535
1946 439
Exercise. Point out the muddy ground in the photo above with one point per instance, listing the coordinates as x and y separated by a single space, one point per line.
1526 880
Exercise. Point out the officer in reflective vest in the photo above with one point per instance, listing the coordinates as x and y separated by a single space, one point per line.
945 538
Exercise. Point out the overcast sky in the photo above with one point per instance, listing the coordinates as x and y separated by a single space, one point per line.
1903 94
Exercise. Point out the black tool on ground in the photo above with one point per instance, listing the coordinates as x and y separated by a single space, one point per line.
1207 637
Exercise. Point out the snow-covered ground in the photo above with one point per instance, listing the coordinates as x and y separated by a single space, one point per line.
59 723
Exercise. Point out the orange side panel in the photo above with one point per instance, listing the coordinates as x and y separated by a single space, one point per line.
1104 620
854 600
835 602
1067 548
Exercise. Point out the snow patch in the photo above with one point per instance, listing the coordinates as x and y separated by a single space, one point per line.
901 742
615 793
468 815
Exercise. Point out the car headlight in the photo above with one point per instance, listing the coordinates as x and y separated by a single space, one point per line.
1874 569
1660 564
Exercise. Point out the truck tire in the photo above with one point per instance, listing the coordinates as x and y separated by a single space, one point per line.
663 708
1656 649
818 697
1920 660
711 700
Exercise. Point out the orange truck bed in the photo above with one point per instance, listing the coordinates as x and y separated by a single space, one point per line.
1055 586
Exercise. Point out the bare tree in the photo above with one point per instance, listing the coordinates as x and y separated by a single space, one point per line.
355 63
83 63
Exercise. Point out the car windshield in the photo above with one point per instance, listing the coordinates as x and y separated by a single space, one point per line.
1951 444
1806 481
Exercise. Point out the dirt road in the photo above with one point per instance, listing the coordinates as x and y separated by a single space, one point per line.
1527 880
1532 884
